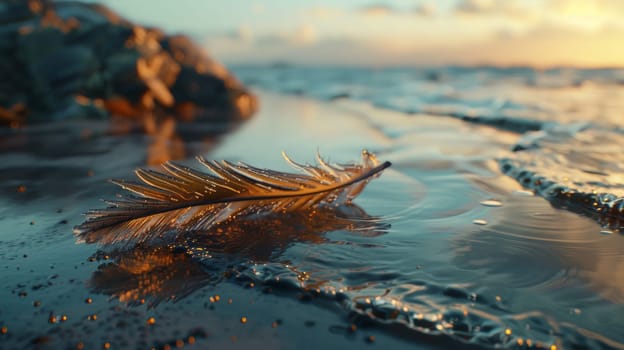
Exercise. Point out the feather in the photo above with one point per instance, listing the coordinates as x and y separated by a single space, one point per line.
182 199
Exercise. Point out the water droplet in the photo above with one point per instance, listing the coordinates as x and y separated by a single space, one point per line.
479 222
491 203
524 193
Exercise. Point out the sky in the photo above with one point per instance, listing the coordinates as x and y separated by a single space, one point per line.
541 33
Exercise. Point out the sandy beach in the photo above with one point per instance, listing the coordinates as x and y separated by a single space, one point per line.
455 230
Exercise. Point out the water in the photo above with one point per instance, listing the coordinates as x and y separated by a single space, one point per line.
569 121
449 246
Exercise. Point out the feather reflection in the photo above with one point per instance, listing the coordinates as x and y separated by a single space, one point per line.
152 273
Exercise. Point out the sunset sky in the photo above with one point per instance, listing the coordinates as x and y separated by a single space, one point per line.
400 32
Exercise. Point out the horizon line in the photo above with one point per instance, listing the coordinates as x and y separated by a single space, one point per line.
284 63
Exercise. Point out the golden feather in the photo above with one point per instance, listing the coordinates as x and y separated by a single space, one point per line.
182 199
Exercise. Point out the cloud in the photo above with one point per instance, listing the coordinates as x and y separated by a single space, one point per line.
322 12
549 38
377 10
382 10
474 6
304 35
588 7
257 8
508 8
240 34
587 14
244 33
549 44
244 36
425 10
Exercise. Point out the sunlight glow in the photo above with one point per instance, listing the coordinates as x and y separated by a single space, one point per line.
392 32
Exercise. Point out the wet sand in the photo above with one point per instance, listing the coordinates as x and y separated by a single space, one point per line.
528 257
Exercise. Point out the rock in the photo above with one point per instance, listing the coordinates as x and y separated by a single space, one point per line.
66 70
149 71
15 12
84 14
33 43
122 77
58 57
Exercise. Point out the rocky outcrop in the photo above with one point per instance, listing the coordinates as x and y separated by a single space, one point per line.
62 60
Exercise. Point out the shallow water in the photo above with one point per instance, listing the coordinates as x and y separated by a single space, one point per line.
568 121
408 266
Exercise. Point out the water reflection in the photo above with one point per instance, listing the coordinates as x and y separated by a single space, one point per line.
171 139
150 141
555 249
152 273
169 272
